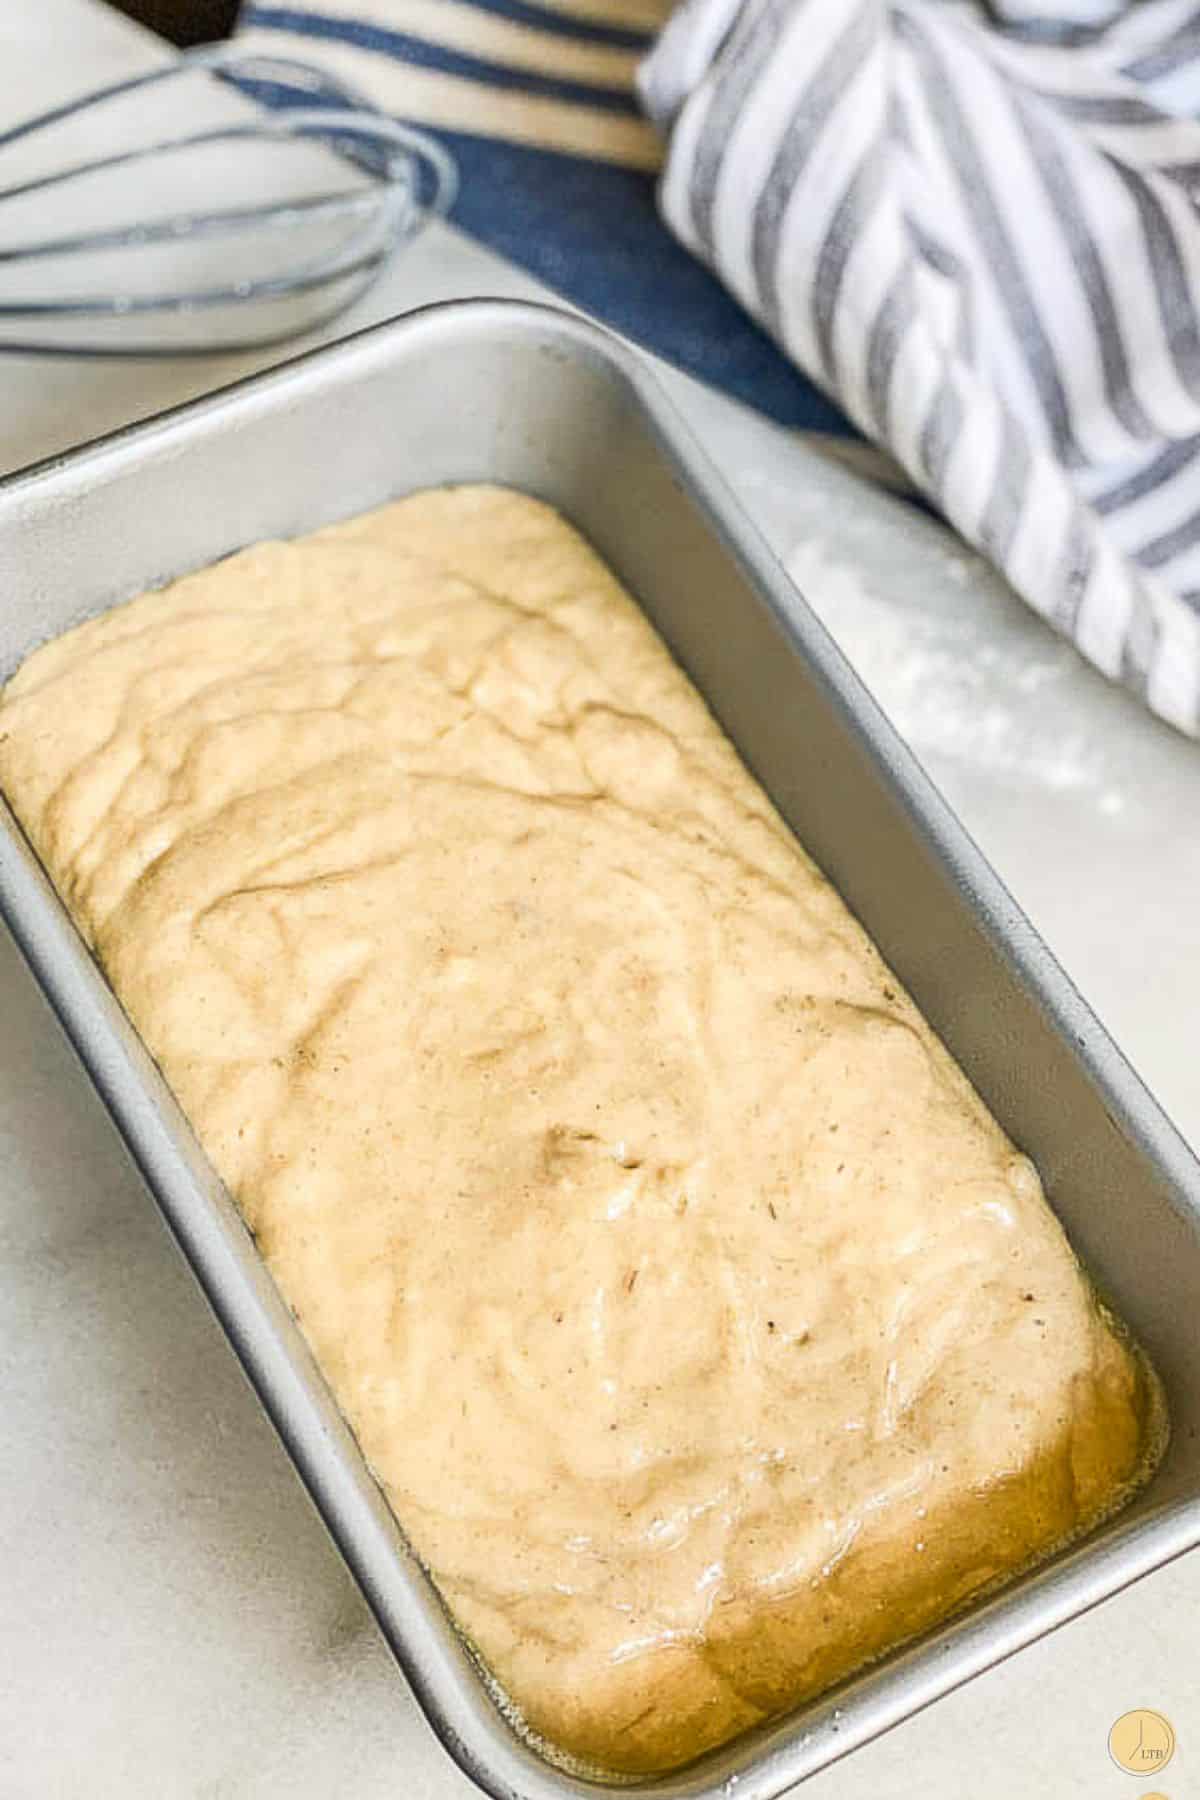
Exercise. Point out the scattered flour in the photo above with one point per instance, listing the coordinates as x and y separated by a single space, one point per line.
991 703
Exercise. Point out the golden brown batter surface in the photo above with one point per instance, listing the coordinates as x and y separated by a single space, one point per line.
706 1332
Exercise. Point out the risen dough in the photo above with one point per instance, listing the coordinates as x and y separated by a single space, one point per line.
706 1333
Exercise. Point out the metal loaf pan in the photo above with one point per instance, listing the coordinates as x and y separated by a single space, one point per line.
538 400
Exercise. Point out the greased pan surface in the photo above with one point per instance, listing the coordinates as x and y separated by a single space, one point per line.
526 396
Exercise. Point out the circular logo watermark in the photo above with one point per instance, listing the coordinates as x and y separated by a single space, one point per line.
1142 1743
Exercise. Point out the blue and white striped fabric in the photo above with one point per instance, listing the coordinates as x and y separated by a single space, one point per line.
536 101
968 227
977 226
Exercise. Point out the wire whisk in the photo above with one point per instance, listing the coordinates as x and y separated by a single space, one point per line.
316 196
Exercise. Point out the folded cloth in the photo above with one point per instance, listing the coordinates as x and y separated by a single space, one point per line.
976 226
535 101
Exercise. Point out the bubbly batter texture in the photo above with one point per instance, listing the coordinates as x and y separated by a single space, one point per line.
706 1333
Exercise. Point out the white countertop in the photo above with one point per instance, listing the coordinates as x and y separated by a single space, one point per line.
173 1620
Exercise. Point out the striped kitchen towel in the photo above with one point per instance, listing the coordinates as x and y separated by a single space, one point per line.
535 99
976 225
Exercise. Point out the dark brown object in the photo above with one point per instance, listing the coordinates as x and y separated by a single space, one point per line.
183 21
